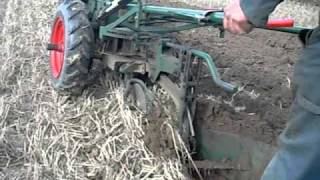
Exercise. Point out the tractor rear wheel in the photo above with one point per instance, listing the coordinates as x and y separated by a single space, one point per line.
71 47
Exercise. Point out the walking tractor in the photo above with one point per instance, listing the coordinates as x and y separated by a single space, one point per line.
135 41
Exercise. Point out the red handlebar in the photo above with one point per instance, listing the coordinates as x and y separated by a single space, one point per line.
280 23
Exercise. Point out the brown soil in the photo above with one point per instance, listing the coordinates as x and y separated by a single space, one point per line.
262 64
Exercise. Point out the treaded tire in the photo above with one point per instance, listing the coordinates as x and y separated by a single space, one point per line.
78 48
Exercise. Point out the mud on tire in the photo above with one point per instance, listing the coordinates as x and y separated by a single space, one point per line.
71 75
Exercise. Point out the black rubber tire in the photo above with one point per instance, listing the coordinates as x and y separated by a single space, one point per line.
79 42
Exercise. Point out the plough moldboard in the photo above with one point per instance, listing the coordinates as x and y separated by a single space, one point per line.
135 42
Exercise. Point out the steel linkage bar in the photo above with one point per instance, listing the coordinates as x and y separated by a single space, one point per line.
212 68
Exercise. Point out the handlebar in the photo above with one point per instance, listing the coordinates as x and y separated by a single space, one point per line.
283 25
215 17
274 23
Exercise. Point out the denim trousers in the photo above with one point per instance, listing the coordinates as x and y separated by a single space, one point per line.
298 156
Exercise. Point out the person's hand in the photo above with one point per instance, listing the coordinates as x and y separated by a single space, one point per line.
235 20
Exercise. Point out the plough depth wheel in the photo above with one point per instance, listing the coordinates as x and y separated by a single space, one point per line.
137 95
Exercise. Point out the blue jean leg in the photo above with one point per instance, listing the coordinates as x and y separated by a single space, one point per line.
298 157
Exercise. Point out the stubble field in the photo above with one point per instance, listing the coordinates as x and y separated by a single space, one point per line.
44 135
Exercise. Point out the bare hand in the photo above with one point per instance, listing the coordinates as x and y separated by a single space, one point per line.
235 20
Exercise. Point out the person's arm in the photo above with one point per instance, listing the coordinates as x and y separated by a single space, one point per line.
258 11
242 15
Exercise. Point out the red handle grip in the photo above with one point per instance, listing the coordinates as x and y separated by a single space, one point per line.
280 23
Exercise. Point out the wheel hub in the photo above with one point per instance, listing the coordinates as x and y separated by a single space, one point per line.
57 47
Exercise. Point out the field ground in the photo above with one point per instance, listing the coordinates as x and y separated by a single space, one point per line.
47 136
3 5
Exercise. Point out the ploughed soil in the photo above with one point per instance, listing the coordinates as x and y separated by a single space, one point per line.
261 64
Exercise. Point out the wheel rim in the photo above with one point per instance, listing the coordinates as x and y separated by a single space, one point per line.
57 55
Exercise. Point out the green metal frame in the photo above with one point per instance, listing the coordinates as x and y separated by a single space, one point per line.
136 21
194 18
139 24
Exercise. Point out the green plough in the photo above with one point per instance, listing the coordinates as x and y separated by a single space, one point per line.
135 41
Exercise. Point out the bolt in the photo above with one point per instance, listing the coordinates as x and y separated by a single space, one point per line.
54 47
